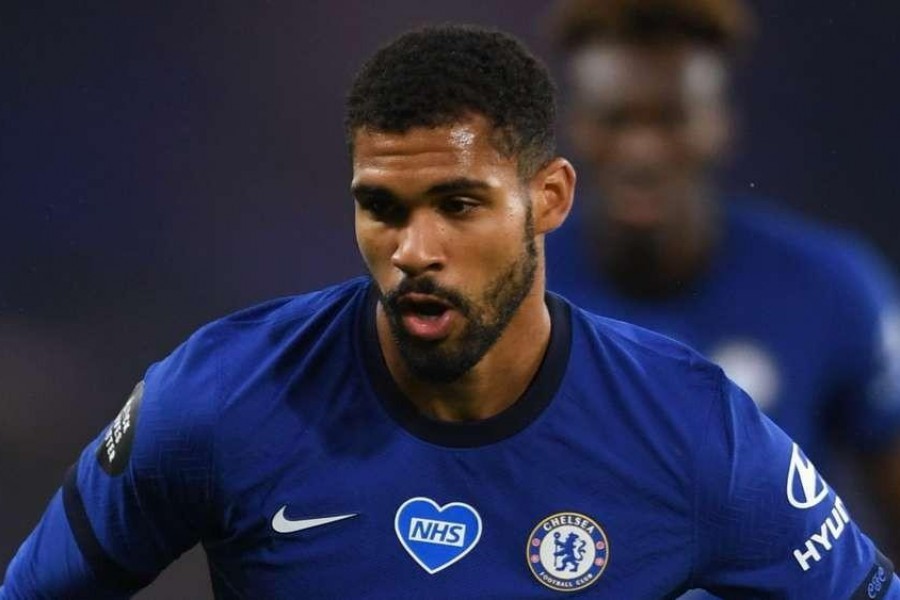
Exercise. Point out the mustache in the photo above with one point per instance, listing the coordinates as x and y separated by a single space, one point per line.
391 299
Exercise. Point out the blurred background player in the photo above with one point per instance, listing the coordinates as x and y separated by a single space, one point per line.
803 317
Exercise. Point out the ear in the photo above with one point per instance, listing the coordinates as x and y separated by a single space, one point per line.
552 191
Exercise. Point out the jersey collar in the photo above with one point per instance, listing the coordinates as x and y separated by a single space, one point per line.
526 409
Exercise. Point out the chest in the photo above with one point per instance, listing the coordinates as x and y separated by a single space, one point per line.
534 518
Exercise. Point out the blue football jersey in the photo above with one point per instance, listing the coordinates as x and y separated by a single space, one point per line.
631 468
803 318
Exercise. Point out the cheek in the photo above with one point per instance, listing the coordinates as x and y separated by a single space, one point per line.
501 243
708 137
371 246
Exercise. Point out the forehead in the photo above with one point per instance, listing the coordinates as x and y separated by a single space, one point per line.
463 148
611 73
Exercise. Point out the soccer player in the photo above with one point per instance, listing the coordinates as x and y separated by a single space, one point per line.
445 428
803 318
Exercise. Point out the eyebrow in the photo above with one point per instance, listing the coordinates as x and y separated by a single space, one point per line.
458 185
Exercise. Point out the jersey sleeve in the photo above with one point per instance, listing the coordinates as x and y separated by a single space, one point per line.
767 524
868 407
137 497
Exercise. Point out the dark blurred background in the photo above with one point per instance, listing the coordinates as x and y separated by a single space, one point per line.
162 164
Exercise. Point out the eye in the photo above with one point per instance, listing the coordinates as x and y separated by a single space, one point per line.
458 205
383 209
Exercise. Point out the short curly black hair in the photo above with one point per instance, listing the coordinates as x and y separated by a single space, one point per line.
436 75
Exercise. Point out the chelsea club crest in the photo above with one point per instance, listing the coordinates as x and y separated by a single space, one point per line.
567 551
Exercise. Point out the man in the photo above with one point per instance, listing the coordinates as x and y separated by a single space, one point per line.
444 428
805 319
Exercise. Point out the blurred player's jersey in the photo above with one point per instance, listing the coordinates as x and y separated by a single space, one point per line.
804 319
630 468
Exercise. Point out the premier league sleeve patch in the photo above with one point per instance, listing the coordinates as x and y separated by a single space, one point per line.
567 551
437 536
114 451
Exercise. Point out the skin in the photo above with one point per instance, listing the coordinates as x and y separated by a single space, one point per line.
651 122
442 205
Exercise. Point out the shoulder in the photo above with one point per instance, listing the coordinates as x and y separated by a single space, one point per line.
841 275
626 343
266 328
277 315
201 376
827 252
643 373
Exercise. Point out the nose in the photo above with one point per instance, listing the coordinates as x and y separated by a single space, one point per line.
644 144
420 245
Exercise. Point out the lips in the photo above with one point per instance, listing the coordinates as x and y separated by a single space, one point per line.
425 316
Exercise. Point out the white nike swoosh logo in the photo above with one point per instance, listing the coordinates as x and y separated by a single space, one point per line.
282 524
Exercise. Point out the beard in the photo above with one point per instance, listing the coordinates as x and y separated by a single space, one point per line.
658 260
635 262
486 318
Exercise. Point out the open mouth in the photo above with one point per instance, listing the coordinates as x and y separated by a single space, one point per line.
426 316
422 305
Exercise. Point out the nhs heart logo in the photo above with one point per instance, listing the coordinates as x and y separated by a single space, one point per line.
437 536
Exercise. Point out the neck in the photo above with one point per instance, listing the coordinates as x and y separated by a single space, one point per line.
492 385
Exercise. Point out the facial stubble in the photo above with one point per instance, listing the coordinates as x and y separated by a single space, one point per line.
486 319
